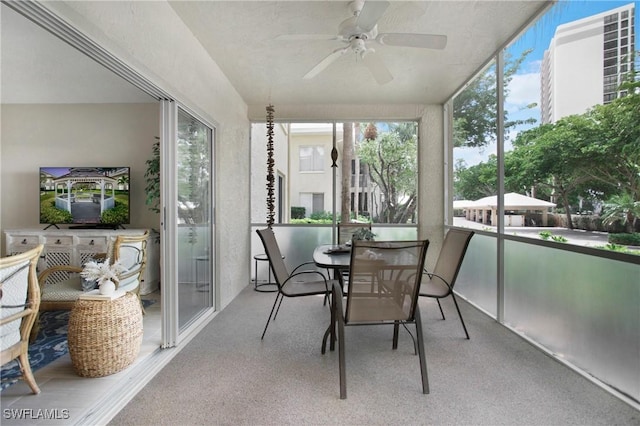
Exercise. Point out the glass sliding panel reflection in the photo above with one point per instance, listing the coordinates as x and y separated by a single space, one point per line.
195 226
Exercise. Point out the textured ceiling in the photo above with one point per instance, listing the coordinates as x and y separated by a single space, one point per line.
245 40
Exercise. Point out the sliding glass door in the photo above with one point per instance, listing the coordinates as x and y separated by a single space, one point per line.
188 221
194 155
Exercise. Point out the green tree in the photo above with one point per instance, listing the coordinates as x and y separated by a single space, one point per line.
392 160
615 150
475 108
552 156
477 181
345 185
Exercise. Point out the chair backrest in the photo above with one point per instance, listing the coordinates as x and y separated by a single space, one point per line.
272 250
384 280
346 230
20 297
131 251
452 253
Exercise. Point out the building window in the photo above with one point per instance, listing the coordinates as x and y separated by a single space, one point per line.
609 97
610 70
611 44
312 202
624 32
610 36
611 27
610 62
311 158
610 54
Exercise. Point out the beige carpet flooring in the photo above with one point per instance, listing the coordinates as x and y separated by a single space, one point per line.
226 375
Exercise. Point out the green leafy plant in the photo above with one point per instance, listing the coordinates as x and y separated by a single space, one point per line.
559 238
297 212
625 239
152 176
545 235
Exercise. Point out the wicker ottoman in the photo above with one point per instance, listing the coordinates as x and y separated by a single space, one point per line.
104 335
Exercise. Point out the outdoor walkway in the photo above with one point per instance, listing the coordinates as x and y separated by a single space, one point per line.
574 236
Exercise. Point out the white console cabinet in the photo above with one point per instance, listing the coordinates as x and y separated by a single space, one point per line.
76 246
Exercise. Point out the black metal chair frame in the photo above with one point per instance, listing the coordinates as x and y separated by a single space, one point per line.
287 283
462 249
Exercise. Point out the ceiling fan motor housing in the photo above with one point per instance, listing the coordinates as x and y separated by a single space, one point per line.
349 30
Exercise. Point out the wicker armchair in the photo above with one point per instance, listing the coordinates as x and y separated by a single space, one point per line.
61 285
19 302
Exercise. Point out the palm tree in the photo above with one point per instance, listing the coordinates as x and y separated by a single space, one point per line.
123 182
622 208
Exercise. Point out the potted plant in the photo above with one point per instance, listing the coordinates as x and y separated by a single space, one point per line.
363 234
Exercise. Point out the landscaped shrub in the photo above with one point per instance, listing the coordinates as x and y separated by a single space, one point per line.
117 215
625 239
50 214
323 215
298 212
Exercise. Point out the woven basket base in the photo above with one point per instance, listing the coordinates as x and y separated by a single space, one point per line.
105 336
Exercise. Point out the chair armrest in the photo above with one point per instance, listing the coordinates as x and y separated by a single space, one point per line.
432 275
17 315
307 273
42 277
301 265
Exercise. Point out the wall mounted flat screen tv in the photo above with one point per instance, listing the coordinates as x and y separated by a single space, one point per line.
87 196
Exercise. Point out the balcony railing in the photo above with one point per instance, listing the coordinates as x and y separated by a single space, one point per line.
583 309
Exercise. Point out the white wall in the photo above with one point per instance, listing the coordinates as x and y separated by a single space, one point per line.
63 135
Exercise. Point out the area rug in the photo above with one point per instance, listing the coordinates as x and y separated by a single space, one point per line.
50 344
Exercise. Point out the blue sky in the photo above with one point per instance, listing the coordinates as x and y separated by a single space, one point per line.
524 89
540 34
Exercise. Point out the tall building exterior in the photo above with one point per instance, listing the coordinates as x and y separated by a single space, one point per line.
585 63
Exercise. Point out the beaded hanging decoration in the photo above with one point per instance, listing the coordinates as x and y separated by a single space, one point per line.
270 164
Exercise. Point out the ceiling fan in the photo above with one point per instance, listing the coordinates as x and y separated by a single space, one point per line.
362 27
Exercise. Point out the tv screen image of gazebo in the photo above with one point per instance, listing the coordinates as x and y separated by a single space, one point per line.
84 195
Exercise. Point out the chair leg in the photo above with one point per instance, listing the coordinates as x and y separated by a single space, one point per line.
396 326
341 357
35 329
27 374
421 352
460 314
440 306
275 302
279 304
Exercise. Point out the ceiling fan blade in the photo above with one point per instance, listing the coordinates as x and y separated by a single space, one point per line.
322 65
371 12
426 41
305 37
377 67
